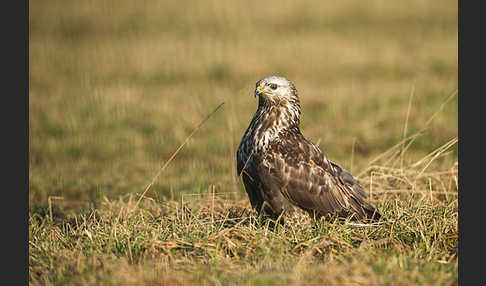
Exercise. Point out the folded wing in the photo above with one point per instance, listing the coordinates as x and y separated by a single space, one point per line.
312 182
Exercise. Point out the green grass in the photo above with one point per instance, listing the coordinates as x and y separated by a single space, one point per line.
208 239
116 88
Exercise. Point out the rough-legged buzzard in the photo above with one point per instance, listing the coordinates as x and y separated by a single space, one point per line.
281 167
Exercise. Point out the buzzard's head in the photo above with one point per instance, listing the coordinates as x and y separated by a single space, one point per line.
275 90
278 100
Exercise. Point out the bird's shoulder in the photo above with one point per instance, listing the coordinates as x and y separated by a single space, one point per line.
294 150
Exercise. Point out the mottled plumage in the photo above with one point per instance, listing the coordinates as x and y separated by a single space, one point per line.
281 167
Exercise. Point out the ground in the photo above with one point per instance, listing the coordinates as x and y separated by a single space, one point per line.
117 87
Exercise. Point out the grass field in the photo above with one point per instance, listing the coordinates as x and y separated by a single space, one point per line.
117 86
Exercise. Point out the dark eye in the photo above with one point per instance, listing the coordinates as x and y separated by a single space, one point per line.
273 86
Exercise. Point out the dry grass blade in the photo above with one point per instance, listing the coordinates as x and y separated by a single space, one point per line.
406 124
390 150
410 138
440 108
432 117
436 154
175 153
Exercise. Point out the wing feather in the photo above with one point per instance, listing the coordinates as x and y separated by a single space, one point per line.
245 168
309 180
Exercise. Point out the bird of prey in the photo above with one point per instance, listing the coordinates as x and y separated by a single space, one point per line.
283 169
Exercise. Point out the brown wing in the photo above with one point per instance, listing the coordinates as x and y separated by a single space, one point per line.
245 168
307 179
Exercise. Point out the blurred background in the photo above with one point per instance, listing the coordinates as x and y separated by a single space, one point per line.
117 86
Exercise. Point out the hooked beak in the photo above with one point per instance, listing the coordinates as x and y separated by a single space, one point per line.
259 91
